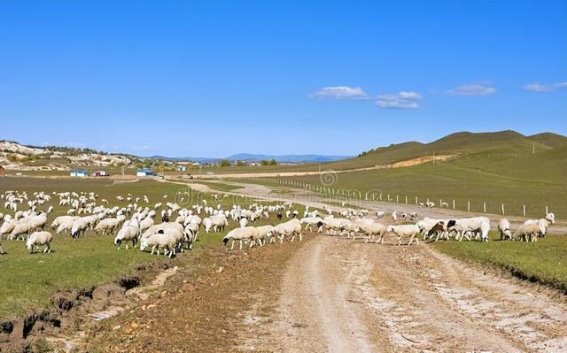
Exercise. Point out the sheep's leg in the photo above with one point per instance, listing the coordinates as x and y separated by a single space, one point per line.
300 236
293 236
232 245
240 244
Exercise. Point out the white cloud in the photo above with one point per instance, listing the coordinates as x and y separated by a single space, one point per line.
340 92
561 84
475 89
538 87
400 100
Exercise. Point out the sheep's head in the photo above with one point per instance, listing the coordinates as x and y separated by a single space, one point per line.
390 229
550 217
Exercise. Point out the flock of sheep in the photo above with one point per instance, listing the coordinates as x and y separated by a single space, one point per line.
351 223
178 227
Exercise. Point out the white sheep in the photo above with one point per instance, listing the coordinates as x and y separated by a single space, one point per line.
466 226
527 232
312 221
163 239
543 223
240 234
289 228
127 233
20 229
504 229
371 230
39 238
263 233
405 230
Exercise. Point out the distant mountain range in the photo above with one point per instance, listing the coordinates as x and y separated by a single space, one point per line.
249 157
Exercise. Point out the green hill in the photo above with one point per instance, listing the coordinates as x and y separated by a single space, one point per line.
503 143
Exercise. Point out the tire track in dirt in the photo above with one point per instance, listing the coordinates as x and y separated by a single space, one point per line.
344 296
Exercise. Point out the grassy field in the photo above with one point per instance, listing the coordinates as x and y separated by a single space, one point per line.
542 262
29 281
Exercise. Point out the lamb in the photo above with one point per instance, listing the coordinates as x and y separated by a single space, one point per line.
39 238
438 229
127 233
289 228
505 229
405 230
426 224
527 232
543 223
240 234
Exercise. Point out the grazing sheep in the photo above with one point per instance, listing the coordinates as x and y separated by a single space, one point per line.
466 226
39 238
263 233
127 233
505 229
527 232
289 228
79 227
243 222
20 229
240 234
438 229
161 240
219 222
405 230
543 223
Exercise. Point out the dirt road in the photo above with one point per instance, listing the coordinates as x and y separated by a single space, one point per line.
344 296
330 294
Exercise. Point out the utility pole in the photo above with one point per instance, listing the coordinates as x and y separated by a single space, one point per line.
533 147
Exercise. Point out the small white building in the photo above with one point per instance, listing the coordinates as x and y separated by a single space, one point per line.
79 173
145 172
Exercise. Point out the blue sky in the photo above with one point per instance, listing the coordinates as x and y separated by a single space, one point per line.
216 78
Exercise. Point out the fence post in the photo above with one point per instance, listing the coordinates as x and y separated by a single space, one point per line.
469 206
398 200
484 206
453 204
406 199
503 210
546 210
524 210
